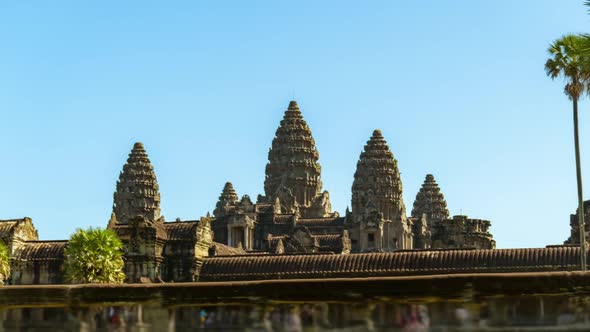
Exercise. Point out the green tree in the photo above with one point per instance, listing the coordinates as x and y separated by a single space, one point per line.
4 263
568 60
94 256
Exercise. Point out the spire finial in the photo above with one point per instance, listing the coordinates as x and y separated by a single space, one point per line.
293 105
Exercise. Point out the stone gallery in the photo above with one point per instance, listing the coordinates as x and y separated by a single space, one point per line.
292 222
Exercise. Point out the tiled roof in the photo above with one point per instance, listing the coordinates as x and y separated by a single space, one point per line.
6 226
274 239
182 230
413 262
283 218
321 222
329 240
41 251
221 249
325 242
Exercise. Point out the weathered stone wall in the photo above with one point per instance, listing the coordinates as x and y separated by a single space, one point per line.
462 232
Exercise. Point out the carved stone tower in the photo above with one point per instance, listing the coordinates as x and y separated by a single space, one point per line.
378 219
377 180
227 200
136 218
293 171
431 202
137 191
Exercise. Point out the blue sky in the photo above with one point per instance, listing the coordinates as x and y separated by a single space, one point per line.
457 87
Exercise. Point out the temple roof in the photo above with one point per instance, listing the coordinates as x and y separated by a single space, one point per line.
430 201
229 193
333 242
414 262
220 249
41 251
293 157
182 230
321 222
330 242
6 226
137 192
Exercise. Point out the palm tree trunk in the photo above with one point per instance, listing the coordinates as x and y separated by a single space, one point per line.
580 198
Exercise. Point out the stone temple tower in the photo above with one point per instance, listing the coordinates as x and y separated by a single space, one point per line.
378 219
430 202
293 171
137 191
228 199
136 218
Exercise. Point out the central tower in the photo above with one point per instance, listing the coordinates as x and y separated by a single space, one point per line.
293 172
378 221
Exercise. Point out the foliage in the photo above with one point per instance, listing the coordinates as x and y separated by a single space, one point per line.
4 263
570 61
94 256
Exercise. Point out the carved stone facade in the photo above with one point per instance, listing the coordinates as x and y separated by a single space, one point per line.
434 229
430 202
293 174
378 220
302 241
227 200
154 250
137 191
293 217
462 232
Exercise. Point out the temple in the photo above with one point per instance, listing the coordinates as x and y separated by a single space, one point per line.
293 219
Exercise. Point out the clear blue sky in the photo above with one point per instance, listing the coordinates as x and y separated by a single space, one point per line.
457 87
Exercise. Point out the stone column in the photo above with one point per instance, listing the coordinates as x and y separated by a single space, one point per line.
246 243
229 236
385 238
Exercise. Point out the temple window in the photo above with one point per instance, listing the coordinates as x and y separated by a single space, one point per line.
371 239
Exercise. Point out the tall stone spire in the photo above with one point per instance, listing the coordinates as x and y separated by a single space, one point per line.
293 171
228 197
430 201
137 191
377 184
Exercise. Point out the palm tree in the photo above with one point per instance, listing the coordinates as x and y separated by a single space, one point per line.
94 256
4 263
568 60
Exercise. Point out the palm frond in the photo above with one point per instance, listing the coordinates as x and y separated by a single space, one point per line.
570 59
94 256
